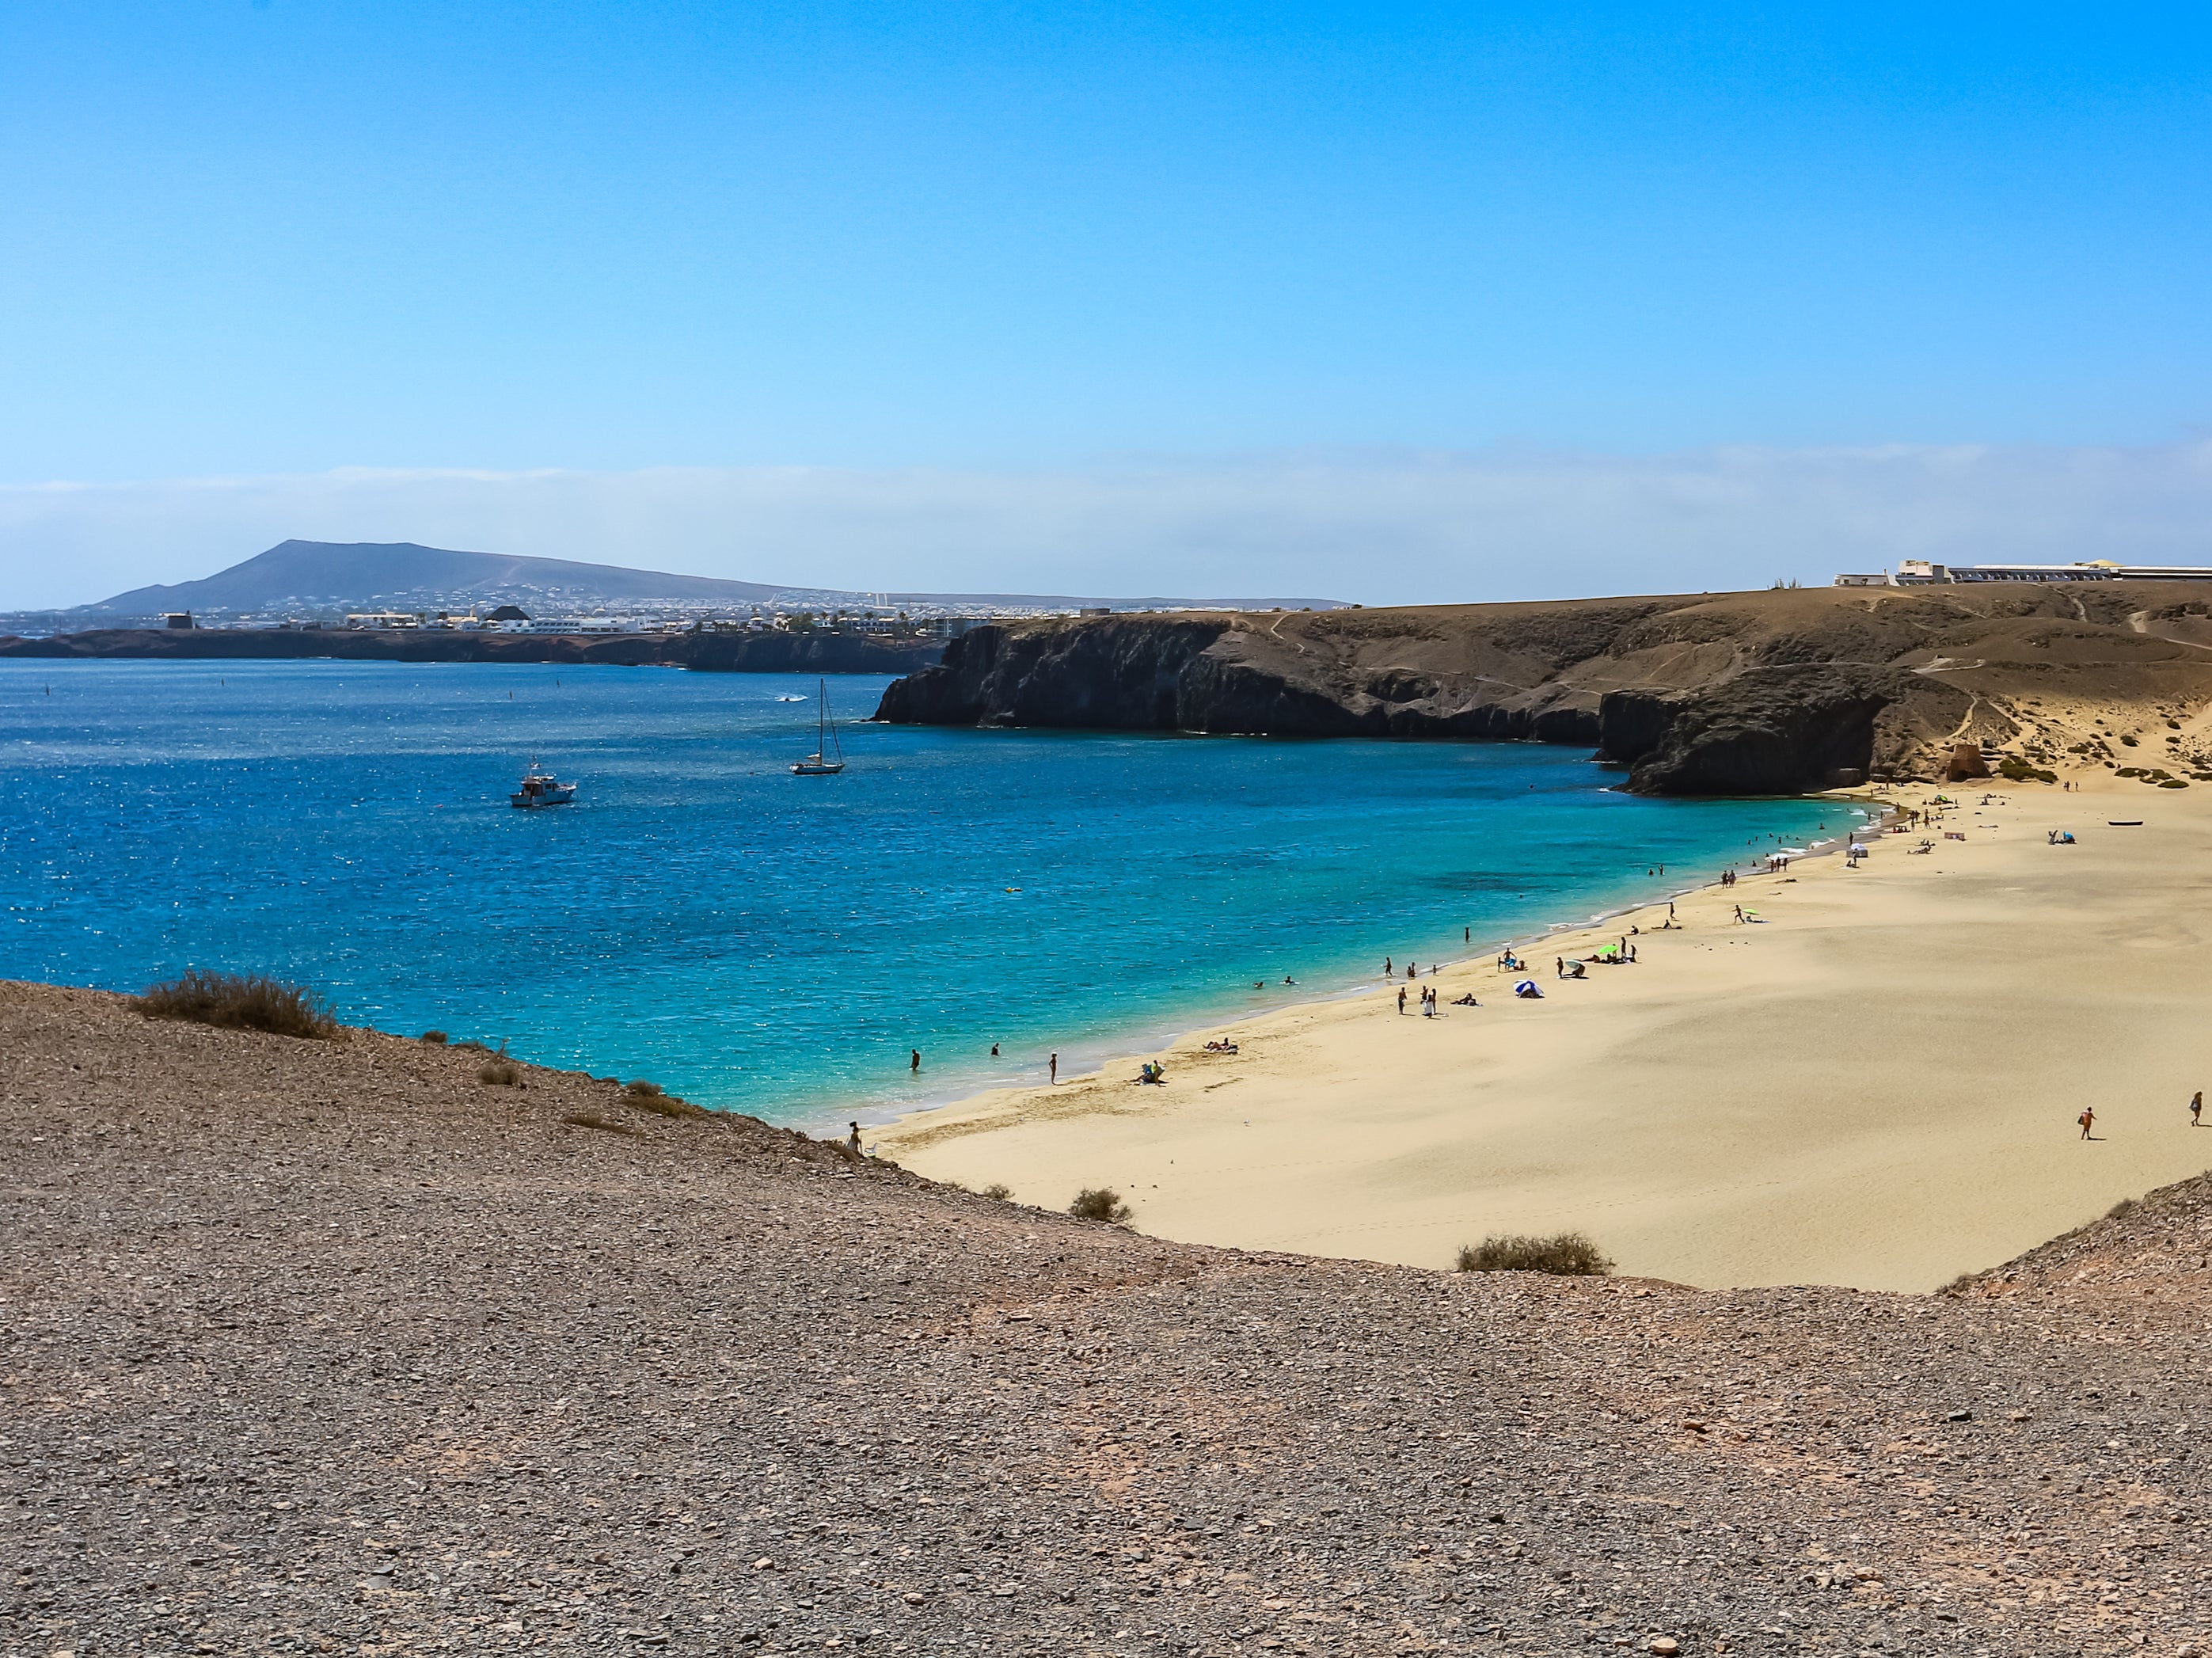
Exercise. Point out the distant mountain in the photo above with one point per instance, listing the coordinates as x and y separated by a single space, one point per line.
384 575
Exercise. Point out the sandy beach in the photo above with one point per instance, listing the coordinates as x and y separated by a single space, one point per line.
1875 1085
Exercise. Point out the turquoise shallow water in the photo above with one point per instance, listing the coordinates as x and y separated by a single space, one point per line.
756 940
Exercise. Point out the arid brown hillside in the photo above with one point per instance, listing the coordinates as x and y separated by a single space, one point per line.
323 1346
1710 693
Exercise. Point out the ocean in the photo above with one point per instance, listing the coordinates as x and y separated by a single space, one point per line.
755 940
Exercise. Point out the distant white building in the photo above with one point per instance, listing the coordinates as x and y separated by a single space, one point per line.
574 624
1924 572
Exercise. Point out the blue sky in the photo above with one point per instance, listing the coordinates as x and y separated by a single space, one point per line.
270 240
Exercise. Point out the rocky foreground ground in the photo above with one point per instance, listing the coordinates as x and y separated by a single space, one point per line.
331 1346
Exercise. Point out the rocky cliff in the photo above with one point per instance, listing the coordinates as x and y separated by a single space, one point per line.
1729 693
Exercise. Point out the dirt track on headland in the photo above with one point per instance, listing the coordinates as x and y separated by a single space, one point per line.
328 1346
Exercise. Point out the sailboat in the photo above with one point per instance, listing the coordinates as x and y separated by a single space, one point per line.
821 762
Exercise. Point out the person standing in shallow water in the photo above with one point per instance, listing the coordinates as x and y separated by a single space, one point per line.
1054 1072
913 1065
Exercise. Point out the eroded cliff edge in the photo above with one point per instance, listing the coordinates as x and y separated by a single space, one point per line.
1769 692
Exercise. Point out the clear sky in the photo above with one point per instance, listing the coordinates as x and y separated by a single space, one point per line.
269 239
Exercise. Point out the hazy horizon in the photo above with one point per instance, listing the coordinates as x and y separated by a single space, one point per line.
1404 304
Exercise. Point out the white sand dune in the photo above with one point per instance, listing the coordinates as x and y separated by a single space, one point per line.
1877 1086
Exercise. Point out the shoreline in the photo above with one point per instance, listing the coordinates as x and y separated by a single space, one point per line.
1735 1110
1174 1030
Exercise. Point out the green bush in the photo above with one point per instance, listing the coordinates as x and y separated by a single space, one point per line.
2019 771
1100 1203
240 1001
1568 1255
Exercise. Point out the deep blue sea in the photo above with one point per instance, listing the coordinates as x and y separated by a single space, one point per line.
752 939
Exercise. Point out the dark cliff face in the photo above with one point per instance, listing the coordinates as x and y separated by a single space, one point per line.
1784 730
1216 675
1706 693
1108 675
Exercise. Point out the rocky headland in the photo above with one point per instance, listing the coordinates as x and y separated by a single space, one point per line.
375 1346
1769 692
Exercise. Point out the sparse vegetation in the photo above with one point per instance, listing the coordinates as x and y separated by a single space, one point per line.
1567 1255
1001 1193
1100 1203
436 1038
642 1095
2019 771
593 1120
240 1001
499 1071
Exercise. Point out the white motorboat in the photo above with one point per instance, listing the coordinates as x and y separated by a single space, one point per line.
541 788
828 756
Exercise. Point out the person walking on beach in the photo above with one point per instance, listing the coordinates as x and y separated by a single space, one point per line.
1401 998
853 1140
1053 1072
2087 1119
2196 1108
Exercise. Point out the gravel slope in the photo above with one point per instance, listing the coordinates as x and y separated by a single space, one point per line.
327 1346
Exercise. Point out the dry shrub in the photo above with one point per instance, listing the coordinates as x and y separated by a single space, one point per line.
593 1120
1568 1255
499 1073
996 1190
642 1095
240 1001
1100 1203
436 1038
